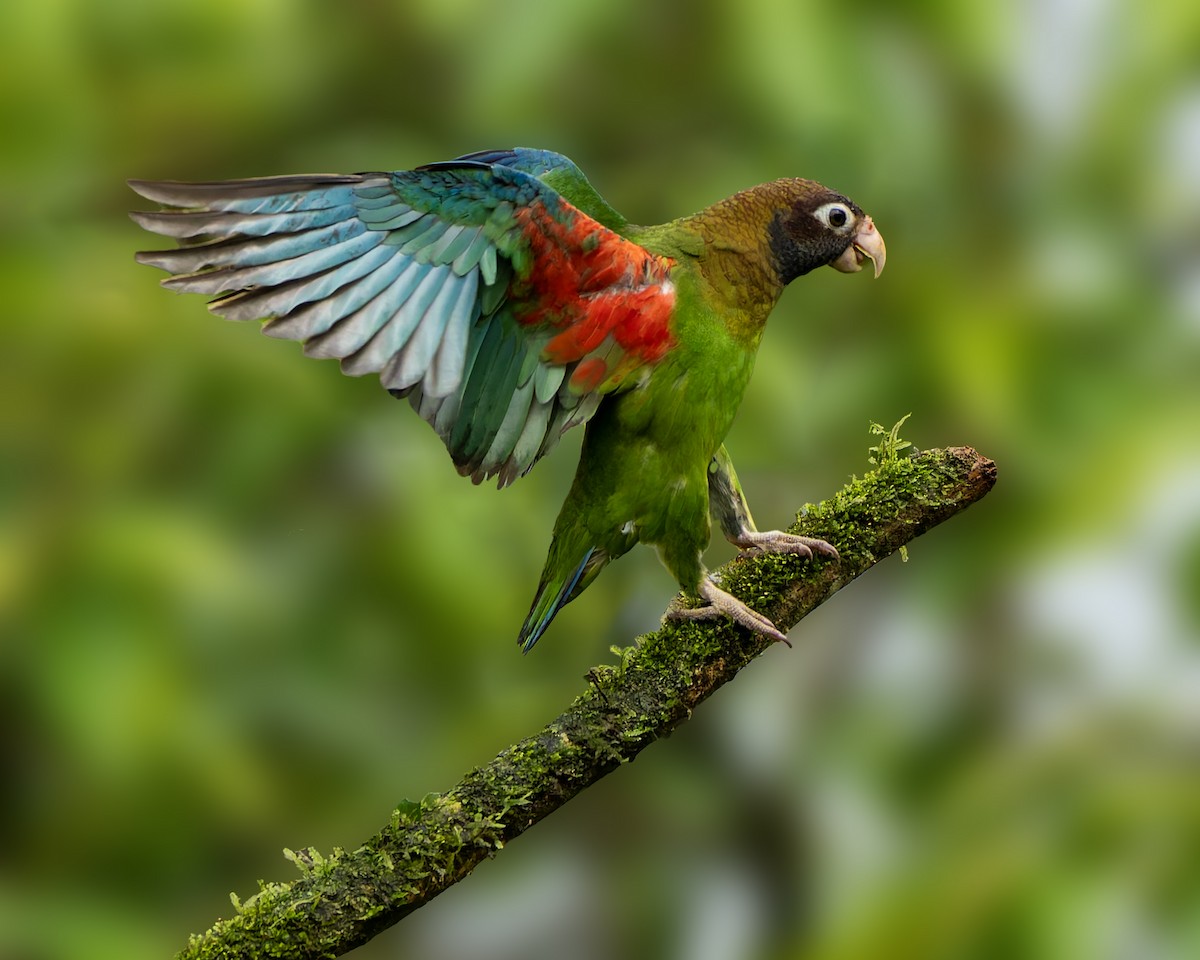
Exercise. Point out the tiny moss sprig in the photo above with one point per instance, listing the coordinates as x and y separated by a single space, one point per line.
889 447
888 452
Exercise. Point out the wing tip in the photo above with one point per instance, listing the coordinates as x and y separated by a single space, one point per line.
155 258
166 192
200 194
165 223
139 186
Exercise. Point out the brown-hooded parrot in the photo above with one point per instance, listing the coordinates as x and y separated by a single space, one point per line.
508 302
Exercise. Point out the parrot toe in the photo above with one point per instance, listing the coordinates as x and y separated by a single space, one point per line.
722 604
776 541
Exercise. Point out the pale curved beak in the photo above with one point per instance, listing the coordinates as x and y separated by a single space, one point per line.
866 245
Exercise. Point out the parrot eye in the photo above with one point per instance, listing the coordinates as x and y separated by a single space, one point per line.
836 216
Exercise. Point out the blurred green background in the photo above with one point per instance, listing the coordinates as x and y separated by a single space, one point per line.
246 604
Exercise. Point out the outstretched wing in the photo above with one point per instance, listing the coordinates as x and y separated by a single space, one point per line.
501 311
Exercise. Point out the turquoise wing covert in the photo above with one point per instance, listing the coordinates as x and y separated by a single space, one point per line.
502 312
561 174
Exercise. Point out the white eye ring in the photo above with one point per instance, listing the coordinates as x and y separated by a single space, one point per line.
836 216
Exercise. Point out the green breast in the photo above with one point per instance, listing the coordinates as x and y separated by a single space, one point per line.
690 398
646 451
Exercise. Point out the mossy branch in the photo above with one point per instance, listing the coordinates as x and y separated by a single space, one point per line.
342 900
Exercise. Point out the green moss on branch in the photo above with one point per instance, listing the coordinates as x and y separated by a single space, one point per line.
342 900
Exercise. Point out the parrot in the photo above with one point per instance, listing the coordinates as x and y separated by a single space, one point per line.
508 302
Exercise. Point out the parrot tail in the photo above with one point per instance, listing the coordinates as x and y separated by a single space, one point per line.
554 593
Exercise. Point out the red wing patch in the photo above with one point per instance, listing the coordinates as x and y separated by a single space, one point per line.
590 283
588 375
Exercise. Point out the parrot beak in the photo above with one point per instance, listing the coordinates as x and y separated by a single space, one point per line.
866 245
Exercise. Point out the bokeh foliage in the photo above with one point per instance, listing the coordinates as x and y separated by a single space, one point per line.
245 603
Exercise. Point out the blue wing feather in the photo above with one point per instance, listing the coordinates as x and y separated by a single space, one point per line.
405 274
292 263
354 290
259 195
188 225
390 317
331 294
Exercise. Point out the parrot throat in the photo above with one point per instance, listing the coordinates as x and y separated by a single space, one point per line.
753 249
795 254
790 259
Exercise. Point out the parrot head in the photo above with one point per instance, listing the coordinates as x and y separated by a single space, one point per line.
822 228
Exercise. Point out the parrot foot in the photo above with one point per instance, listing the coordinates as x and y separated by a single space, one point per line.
722 604
776 541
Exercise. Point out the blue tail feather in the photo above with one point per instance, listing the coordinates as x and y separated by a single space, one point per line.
546 605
